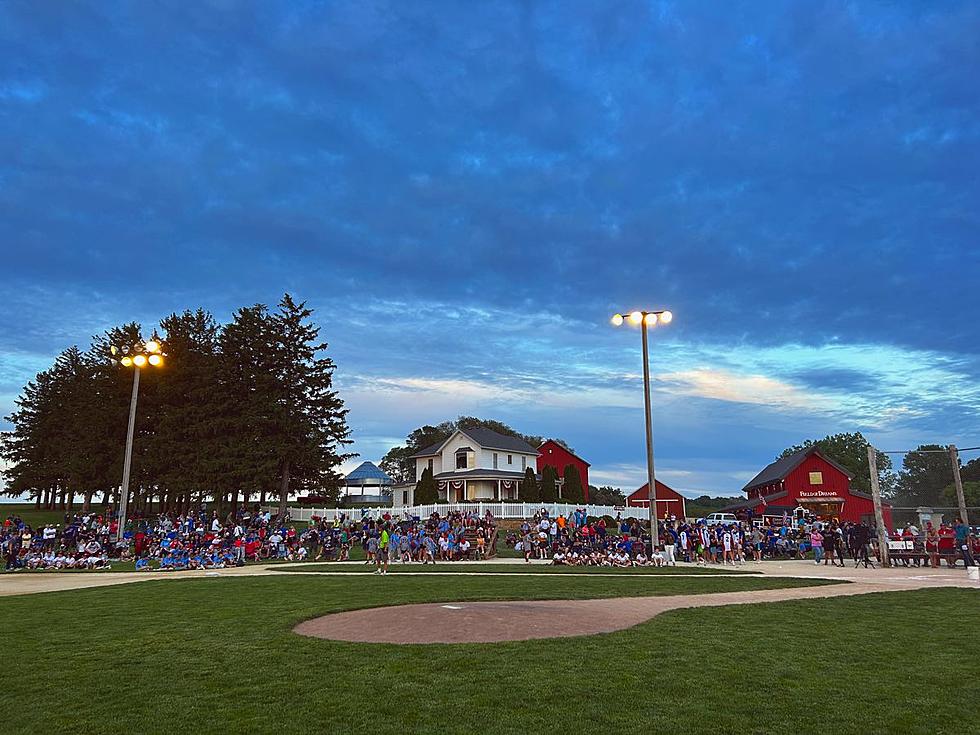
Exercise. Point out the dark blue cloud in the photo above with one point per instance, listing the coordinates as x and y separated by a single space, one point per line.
775 172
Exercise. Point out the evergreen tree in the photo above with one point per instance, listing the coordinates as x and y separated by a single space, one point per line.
188 404
247 407
310 418
572 491
549 486
426 489
529 491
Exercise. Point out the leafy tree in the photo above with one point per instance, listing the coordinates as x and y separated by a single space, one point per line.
851 451
970 472
971 492
426 489
397 463
924 475
606 495
529 491
548 490
572 491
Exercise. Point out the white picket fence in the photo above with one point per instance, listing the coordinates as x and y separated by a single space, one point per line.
498 510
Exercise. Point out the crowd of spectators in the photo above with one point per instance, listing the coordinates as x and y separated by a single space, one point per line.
202 540
934 544
579 540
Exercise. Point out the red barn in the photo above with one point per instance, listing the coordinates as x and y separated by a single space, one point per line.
669 501
554 455
808 479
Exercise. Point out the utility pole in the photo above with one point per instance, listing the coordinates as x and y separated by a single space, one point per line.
876 497
954 458
127 462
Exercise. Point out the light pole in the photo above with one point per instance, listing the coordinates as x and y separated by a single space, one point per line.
149 353
645 319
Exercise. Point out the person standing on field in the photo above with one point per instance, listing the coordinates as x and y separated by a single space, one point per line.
816 543
381 559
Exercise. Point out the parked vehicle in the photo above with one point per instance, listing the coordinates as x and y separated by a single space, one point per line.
720 519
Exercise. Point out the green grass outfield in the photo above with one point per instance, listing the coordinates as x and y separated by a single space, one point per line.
218 655
490 568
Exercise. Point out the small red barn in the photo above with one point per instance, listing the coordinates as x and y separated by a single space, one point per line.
554 455
669 501
811 480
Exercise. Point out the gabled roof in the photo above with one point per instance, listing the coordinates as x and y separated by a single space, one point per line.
486 438
365 472
752 502
781 468
559 444
643 493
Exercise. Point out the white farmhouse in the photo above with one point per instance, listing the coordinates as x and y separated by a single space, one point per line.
473 464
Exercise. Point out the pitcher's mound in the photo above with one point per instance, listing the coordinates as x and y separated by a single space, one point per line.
489 622
475 622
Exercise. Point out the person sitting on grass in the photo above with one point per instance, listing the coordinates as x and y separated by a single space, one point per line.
143 565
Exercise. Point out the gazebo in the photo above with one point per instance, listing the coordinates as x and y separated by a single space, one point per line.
367 483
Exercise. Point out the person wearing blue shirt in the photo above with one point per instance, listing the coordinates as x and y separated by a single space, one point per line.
963 541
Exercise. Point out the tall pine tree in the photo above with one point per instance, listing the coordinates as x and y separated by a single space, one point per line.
310 418
426 490
549 486
572 489
529 491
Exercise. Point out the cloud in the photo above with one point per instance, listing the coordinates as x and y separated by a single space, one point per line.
723 385
466 193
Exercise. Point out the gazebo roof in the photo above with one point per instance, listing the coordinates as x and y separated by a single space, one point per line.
368 473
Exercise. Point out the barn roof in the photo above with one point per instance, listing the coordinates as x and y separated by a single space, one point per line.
781 468
642 493
559 444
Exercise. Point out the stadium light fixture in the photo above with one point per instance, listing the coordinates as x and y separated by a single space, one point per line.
138 357
645 320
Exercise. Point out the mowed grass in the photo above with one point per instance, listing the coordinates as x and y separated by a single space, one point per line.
218 655
35 517
491 568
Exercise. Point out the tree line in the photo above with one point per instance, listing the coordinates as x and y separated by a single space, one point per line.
238 411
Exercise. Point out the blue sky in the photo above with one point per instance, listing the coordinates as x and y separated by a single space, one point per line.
466 191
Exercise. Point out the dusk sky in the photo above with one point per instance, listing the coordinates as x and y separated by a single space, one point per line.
466 192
